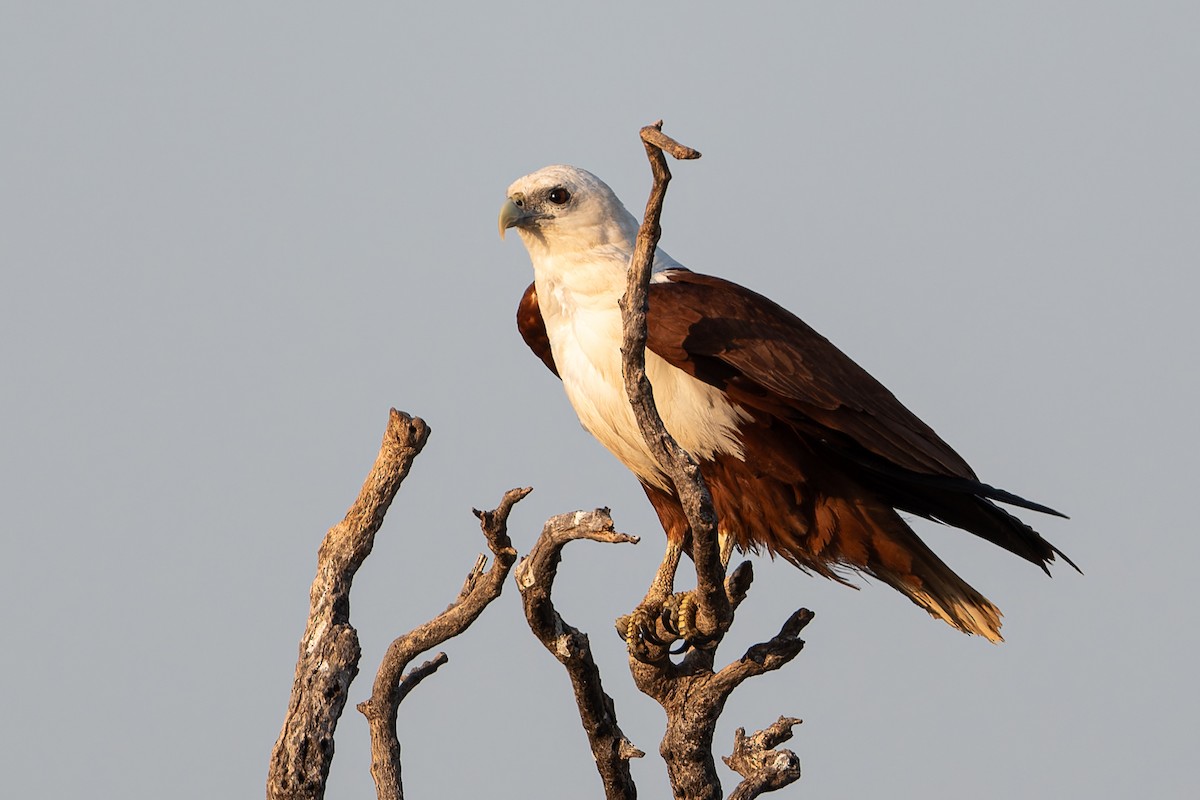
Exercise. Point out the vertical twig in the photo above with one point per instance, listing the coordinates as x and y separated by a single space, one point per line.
714 612
329 649
691 694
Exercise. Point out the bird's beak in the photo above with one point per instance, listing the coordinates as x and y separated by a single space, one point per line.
511 215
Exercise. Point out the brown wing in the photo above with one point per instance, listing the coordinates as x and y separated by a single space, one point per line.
533 327
767 358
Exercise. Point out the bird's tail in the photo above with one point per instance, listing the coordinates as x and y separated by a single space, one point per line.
875 540
948 597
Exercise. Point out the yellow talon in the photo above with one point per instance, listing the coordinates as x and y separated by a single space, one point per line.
687 617
680 615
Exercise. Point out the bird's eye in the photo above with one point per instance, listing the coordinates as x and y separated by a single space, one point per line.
559 196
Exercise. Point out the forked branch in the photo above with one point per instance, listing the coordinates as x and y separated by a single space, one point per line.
763 768
392 685
329 649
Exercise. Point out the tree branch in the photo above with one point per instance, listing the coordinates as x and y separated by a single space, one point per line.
392 686
714 613
535 578
691 694
763 768
329 649
413 677
766 656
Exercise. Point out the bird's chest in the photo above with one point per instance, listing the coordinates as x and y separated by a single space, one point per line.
585 338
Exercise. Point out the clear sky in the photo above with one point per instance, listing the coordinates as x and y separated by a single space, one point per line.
232 235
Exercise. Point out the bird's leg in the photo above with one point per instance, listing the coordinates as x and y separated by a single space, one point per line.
664 580
641 627
665 616
679 612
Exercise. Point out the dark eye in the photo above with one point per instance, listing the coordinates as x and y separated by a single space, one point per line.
559 196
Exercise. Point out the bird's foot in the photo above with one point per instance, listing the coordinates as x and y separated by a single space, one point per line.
653 631
679 617
640 631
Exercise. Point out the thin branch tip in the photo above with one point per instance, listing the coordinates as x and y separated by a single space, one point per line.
797 622
627 751
653 135
418 674
763 768
392 683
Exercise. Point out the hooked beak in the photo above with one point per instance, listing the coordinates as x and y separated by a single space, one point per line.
512 216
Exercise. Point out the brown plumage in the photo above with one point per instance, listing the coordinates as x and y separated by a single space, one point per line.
806 455
830 453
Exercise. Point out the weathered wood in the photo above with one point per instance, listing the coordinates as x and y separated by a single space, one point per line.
535 578
763 768
329 649
690 692
714 613
392 685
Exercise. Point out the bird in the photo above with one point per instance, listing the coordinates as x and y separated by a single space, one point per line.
805 454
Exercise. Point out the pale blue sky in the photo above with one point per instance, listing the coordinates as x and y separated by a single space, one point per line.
235 234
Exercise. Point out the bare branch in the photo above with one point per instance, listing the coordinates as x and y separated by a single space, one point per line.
766 656
693 698
653 136
329 649
691 694
414 677
763 768
714 612
391 686
738 583
535 578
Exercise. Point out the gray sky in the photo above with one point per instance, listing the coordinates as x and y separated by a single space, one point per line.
234 234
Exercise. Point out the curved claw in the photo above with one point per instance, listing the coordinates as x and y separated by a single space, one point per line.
639 632
668 621
679 618
648 635
703 642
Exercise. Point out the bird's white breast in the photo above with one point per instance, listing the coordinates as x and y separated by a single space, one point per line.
583 322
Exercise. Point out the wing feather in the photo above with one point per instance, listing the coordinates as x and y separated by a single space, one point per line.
767 358
533 327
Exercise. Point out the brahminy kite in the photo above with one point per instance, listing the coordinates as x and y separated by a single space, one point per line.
805 454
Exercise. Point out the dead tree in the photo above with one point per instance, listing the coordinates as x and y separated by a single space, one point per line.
691 692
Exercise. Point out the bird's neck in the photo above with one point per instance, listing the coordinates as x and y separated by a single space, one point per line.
593 276
592 271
